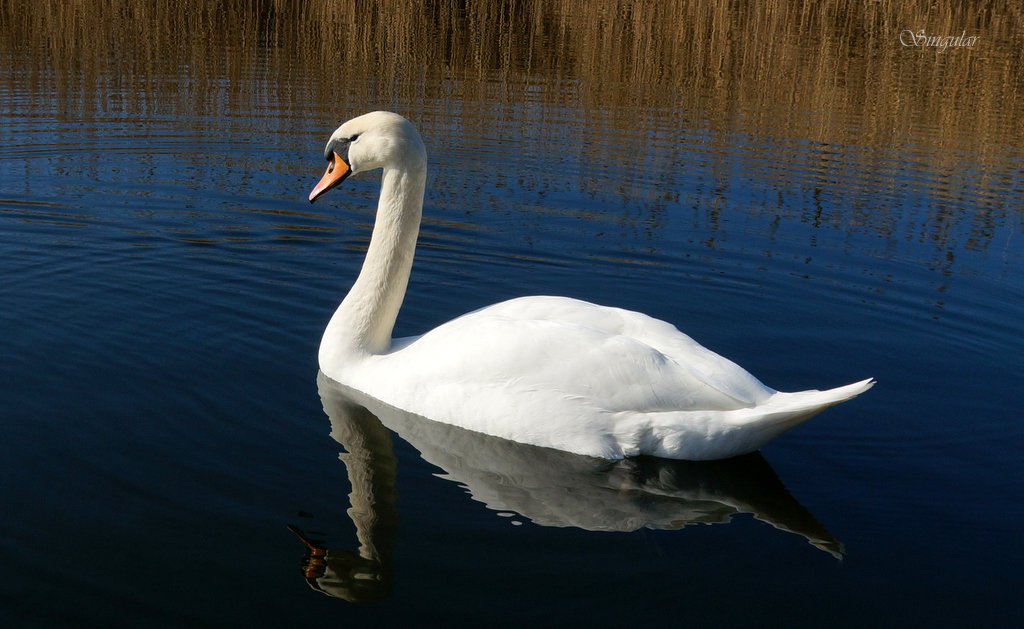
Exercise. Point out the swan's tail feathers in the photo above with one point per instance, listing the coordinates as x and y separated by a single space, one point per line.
744 430
790 409
814 400
783 411
839 394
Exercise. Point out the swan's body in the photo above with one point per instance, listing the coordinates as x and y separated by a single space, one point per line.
548 371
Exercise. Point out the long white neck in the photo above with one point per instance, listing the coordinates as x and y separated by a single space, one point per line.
365 319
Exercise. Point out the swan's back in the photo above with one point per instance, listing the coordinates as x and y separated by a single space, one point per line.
718 373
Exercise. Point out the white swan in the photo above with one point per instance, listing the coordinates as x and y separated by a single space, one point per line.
547 371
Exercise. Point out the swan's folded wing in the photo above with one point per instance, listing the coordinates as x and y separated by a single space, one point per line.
566 360
709 368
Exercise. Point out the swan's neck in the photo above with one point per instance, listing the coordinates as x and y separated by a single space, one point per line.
365 319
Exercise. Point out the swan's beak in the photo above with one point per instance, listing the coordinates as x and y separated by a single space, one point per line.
336 172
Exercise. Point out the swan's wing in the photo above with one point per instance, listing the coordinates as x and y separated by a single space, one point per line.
711 369
614 359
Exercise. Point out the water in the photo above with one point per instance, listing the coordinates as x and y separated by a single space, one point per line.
850 209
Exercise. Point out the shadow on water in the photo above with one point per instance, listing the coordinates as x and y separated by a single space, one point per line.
547 487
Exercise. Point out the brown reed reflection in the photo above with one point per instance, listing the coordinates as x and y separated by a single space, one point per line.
777 59
831 78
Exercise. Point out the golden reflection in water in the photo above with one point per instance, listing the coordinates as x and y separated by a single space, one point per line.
775 61
825 88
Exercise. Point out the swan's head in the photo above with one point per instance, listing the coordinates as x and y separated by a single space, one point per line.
379 139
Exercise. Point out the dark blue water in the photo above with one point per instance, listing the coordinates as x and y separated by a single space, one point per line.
165 284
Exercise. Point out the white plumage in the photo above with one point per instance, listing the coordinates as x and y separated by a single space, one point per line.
548 371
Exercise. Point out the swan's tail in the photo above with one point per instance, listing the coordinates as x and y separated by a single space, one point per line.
745 430
823 399
785 410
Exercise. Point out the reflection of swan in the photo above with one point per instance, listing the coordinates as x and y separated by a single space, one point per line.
555 488
547 371
364 575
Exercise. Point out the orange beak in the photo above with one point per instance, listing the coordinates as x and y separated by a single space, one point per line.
336 172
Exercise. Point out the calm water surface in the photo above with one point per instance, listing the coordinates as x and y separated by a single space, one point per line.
170 457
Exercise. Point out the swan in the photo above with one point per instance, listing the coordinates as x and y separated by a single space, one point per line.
548 371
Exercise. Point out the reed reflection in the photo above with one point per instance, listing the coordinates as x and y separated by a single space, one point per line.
547 487
615 63
810 98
